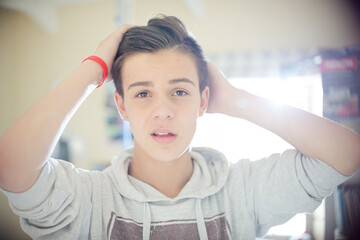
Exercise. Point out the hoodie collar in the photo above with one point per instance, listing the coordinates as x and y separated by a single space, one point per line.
209 175
210 172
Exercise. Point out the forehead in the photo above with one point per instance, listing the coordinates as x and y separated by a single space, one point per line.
158 67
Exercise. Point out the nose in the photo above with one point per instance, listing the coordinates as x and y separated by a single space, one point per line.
162 109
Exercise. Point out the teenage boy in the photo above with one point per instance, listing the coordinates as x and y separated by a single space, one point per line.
162 189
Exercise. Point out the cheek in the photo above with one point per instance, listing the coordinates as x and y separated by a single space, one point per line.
136 118
193 109
190 115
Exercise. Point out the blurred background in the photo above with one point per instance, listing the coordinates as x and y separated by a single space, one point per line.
303 53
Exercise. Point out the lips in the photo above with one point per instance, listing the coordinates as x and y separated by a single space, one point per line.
163 136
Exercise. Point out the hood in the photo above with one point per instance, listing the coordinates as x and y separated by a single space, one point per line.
209 175
210 172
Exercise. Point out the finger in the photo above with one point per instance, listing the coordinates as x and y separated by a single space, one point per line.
116 36
122 30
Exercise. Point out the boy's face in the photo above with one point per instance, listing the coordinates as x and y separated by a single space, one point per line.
162 102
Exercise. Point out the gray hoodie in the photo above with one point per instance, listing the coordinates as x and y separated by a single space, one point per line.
219 201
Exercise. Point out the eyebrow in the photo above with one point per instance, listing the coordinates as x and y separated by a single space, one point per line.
186 80
150 84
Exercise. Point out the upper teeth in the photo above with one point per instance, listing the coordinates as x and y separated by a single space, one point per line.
162 133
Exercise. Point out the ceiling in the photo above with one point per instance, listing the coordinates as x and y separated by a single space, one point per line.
44 12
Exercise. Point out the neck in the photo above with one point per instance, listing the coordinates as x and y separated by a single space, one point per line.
167 177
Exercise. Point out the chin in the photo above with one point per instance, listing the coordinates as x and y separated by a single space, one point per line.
168 155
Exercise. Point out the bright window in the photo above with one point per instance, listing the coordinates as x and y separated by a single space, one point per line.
239 139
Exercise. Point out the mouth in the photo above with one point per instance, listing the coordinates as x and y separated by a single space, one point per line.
163 136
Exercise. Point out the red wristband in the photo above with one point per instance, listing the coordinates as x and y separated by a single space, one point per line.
103 66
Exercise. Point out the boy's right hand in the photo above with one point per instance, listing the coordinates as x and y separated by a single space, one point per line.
30 140
108 47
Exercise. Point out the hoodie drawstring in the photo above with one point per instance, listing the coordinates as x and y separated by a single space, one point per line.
146 221
200 221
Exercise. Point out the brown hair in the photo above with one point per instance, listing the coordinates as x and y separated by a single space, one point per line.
162 32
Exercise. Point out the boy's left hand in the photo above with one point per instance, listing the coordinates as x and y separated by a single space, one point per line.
220 90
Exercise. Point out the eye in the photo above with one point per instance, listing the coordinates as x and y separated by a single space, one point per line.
180 93
142 95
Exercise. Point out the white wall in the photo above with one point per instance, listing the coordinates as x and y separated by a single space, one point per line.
256 24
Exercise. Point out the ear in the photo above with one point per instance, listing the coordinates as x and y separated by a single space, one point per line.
204 100
120 105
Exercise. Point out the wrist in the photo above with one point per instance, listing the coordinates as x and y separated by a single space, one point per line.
237 102
93 72
103 66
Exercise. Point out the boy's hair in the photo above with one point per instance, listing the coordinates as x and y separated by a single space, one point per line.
161 33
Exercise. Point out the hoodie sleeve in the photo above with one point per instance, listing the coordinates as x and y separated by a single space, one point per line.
285 184
57 205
